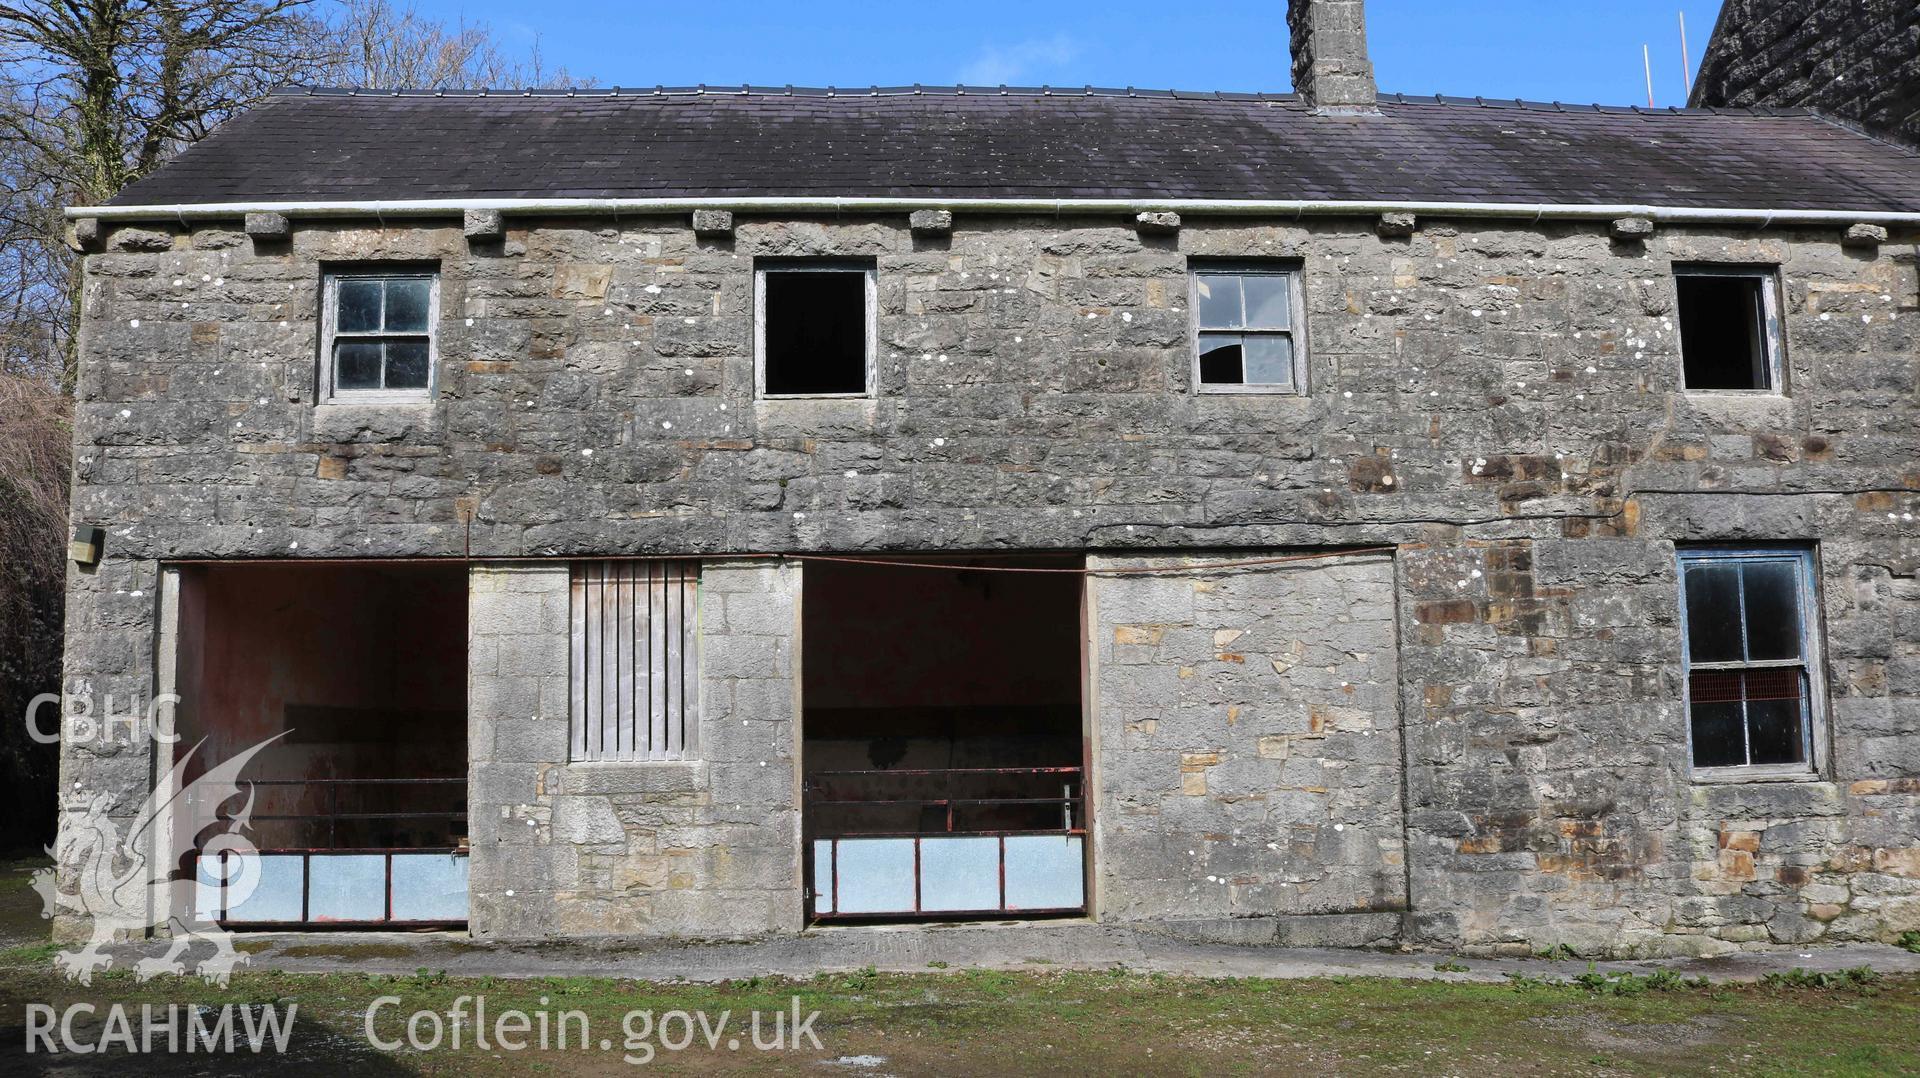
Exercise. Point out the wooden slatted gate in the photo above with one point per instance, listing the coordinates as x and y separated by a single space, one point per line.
635 659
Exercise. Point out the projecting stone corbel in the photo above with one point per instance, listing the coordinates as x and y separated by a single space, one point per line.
714 224
268 227
1393 226
484 225
1162 223
1864 236
86 235
1630 229
930 222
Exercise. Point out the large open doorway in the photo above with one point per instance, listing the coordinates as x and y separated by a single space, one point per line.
343 687
943 743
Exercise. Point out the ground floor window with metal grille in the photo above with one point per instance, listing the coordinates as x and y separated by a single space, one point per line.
1751 655
635 653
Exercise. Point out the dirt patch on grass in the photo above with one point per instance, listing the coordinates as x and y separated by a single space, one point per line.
345 951
1636 1037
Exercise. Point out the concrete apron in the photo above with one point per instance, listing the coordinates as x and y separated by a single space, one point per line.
1036 947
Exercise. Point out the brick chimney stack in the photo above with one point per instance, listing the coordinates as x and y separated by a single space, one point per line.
1331 71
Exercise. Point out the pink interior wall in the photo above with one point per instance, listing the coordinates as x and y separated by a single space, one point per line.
909 668
879 637
363 667
927 692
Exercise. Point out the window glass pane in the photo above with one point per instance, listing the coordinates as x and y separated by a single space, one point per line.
1268 300
406 364
1715 697
356 365
359 306
1773 610
1713 613
1773 715
1220 362
1219 300
1269 360
407 305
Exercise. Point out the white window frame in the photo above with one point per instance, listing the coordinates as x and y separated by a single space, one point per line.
1296 331
329 312
1772 337
817 265
1814 718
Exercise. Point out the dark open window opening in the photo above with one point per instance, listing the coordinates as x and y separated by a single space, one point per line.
814 328
1726 339
1749 675
358 675
942 705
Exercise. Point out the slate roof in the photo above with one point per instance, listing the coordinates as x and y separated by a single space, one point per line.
968 143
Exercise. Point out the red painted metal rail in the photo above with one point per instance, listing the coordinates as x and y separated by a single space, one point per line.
447 825
990 802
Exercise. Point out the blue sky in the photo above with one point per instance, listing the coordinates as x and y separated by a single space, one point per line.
1576 52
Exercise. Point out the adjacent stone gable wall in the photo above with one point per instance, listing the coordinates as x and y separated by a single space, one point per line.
1493 399
1856 59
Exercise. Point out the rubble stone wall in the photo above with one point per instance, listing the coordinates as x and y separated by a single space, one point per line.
1500 402
1855 59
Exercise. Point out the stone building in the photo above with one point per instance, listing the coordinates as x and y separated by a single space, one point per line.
1324 517
1854 59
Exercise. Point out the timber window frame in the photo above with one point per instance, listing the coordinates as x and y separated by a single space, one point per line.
1708 293
1745 656
380 348
1226 318
770 308
633 672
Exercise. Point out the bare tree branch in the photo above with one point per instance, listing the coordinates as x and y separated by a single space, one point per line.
389 45
95 94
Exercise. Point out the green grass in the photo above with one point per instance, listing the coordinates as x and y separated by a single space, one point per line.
1123 1021
29 954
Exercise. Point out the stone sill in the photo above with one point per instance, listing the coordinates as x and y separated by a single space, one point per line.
380 402
1737 776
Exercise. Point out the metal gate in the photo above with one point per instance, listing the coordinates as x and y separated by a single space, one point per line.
339 873
951 842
